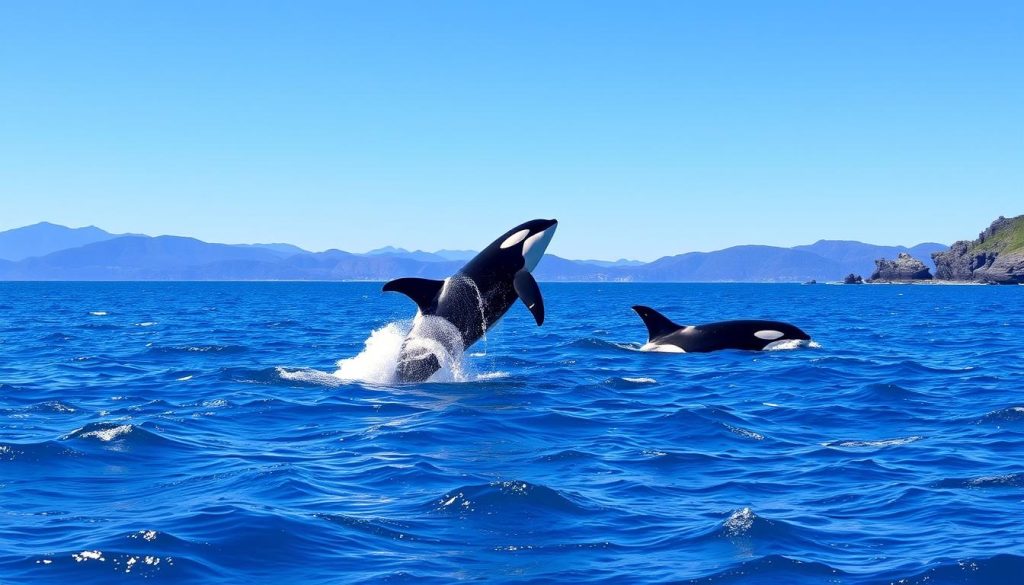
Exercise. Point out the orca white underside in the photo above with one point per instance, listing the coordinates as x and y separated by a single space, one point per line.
790 344
662 347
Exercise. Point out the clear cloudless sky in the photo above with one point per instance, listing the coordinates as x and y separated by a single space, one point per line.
646 128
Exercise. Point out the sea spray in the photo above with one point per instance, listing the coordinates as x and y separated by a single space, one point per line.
376 363
432 335
791 344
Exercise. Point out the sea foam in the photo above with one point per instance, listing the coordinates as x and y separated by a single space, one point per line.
376 363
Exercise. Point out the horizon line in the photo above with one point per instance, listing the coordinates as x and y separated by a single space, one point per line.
400 249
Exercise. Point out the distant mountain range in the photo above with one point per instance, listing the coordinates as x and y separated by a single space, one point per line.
46 251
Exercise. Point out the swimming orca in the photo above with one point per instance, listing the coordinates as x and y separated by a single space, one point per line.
664 335
455 312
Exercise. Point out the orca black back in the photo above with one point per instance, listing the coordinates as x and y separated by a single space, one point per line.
749 334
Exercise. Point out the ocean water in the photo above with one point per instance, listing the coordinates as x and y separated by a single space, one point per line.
207 433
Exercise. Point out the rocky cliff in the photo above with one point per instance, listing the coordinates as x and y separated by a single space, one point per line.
904 268
996 256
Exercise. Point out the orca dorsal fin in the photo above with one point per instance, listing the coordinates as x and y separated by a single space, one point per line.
657 324
527 289
422 291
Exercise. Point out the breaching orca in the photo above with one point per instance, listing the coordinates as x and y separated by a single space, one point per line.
455 312
664 335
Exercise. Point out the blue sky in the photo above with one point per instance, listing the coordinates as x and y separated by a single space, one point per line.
646 128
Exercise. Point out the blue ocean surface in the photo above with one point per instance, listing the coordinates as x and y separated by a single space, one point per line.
207 433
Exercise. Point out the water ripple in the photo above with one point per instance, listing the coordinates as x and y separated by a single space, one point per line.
222 433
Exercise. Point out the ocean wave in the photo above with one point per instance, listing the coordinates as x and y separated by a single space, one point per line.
308 376
889 391
511 497
105 432
746 528
559 457
123 436
284 323
565 455
57 337
97 564
740 522
745 433
872 444
628 382
53 406
43 451
1010 414
198 348
491 376
774 569
264 376
996 570
376 364
594 343
1005 480
378 527
99 326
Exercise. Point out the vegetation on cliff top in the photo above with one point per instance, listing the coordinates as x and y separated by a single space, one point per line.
1005 235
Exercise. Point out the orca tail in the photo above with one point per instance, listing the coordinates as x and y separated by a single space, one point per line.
657 324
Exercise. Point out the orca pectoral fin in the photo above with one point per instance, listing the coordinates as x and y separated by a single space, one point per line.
422 291
527 289
657 324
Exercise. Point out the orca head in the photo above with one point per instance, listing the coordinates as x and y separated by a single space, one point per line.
527 241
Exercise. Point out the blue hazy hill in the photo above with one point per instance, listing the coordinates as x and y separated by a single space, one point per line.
338 265
106 256
283 250
621 262
740 263
44 238
391 251
178 258
555 268
859 258
146 258
456 254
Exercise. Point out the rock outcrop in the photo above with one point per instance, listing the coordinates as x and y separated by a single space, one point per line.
997 256
905 268
853 279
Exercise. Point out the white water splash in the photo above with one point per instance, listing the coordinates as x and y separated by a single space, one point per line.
437 336
88 555
640 380
491 376
740 522
791 344
105 435
376 363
